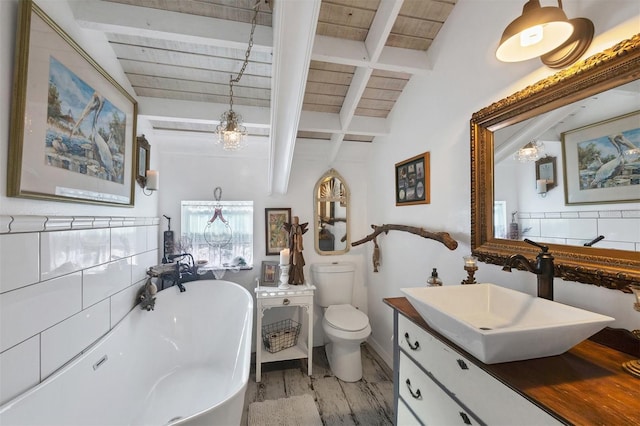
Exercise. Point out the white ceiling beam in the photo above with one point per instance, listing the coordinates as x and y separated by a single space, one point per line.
381 26
294 27
386 15
336 142
199 112
166 25
404 60
368 126
324 122
354 53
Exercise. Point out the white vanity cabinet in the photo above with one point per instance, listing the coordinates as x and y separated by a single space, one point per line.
441 386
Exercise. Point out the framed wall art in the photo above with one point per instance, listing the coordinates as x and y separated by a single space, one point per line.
72 126
276 238
270 273
602 161
412 181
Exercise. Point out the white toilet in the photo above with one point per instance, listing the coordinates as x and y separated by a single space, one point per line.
345 327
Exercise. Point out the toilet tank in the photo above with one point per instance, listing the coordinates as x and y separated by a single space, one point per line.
334 282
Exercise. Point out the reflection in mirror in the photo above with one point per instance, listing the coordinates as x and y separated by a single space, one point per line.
573 113
607 169
331 214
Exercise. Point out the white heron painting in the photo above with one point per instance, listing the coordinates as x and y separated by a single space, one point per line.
85 132
610 161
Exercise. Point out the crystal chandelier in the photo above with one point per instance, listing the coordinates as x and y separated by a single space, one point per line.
529 152
231 132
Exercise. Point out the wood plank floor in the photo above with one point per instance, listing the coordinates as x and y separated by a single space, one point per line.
366 402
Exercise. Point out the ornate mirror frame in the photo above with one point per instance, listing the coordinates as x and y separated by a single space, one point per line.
325 194
614 269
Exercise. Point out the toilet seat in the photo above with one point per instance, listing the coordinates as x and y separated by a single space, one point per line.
346 318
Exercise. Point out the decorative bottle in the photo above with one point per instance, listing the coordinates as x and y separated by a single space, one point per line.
433 280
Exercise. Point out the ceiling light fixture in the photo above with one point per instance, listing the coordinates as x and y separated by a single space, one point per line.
529 152
545 32
231 132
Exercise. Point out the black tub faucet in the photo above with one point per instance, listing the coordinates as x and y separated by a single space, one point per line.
543 268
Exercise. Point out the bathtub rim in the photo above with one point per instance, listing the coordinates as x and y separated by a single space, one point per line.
93 347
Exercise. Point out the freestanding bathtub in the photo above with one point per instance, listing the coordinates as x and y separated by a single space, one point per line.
187 362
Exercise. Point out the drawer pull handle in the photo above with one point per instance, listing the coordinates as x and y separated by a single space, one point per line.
465 418
286 302
413 347
416 394
462 364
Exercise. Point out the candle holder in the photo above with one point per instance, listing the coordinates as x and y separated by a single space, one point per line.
471 266
284 277
633 367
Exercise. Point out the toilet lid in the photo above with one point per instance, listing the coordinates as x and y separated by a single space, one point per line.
346 317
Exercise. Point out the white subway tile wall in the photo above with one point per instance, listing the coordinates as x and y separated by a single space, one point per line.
621 228
20 368
64 283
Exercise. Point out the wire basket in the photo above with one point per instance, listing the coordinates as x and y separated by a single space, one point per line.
280 335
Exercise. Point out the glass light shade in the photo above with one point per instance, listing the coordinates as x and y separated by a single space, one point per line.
529 152
537 31
231 132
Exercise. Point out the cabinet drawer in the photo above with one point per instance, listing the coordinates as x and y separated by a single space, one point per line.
430 402
405 416
280 301
491 400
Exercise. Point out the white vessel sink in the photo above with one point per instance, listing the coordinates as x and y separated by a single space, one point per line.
497 324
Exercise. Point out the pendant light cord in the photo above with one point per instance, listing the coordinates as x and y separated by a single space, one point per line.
232 80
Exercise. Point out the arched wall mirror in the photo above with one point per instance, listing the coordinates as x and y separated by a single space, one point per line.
585 103
331 214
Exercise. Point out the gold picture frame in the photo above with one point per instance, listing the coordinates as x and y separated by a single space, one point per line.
412 181
72 125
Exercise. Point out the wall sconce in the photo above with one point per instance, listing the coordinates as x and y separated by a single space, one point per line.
151 183
546 178
545 32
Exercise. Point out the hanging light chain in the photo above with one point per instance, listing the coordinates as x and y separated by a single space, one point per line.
232 80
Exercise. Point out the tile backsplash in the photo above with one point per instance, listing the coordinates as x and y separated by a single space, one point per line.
64 283
621 228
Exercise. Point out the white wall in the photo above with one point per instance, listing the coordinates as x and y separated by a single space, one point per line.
192 166
97 47
45 320
433 115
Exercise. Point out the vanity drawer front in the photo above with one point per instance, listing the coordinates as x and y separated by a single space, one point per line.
491 400
431 403
405 416
280 301
415 341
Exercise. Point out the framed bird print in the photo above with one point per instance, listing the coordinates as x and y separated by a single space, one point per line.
602 161
72 126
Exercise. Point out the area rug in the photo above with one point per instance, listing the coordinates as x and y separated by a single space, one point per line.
292 411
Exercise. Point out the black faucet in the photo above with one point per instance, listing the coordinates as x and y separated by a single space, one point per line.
543 268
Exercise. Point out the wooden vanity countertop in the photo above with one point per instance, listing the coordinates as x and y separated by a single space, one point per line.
584 386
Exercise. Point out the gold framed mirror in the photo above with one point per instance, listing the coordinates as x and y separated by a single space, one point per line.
331 214
612 68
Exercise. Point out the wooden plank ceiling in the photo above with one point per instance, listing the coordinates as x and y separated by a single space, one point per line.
166 68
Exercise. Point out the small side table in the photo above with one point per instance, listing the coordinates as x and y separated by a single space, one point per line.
273 297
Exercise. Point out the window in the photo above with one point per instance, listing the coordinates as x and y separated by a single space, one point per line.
220 232
500 219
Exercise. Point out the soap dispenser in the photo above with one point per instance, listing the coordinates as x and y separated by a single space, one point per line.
433 280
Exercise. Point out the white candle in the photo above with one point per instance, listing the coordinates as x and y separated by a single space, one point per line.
153 179
469 261
284 256
541 186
